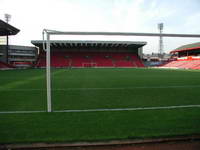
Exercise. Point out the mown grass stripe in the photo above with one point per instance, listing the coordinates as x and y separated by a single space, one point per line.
117 88
30 80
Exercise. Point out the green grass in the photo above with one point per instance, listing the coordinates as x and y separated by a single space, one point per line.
95 126
22 90
142 88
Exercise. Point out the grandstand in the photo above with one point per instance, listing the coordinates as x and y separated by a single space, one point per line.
4 65
12 56
92 54
15 56
185 57
6 29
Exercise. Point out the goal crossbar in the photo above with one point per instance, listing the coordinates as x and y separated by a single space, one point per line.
46 46
53 32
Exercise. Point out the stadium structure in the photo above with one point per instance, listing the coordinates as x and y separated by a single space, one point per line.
12 56
92 54
70 53
6 29
186 57
19 56
102 104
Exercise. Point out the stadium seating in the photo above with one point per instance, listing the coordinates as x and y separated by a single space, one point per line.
102 60
59 60
137 61
186 64
90 59
4 65
41 62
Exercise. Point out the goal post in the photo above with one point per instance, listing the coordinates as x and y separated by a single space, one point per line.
47 43
48 74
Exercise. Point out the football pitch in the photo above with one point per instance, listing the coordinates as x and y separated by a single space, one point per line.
98 104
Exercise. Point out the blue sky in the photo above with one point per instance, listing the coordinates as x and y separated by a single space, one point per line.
32 16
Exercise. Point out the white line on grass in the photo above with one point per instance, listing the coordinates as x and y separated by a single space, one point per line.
21 112
107 88
112 109
130 109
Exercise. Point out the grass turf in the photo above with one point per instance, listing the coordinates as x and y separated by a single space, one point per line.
95 126
25 90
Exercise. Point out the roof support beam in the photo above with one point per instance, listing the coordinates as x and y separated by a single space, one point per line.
112 45
60 44
116 45
125 45
102 44
65 44
54 44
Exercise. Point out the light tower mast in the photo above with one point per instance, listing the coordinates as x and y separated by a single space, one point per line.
160 28
7 18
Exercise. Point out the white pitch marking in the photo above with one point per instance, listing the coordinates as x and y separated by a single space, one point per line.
21 112
112 109
130 109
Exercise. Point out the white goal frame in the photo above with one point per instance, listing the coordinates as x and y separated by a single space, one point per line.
47 47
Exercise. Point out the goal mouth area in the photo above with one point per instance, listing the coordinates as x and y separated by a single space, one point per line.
47 47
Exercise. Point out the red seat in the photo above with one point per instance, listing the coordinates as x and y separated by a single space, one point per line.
90 59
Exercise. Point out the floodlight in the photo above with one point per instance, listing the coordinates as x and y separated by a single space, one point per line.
7 17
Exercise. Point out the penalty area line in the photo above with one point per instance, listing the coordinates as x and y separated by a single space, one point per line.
129 109
106 110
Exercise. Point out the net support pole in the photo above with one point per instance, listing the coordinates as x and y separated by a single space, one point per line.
48 74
